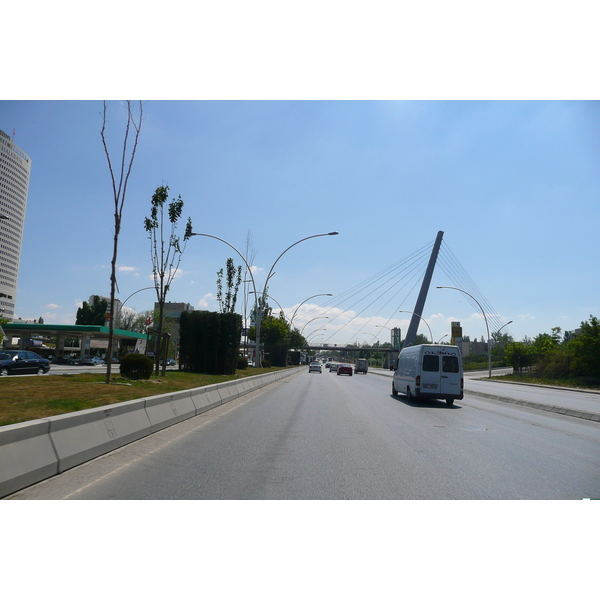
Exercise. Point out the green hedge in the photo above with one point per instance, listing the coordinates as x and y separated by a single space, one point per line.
209 342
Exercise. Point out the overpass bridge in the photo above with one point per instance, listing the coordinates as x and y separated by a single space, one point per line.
335 349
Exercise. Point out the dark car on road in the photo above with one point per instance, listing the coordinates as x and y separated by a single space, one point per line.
17 362
345 369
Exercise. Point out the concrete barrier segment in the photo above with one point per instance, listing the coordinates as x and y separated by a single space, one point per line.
206 398
26 455
82 436
167 409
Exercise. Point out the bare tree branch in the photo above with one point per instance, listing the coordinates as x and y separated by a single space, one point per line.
119 193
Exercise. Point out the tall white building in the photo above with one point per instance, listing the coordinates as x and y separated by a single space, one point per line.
15 167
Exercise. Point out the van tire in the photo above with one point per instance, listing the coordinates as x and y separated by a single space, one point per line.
450 401
394 390
409 395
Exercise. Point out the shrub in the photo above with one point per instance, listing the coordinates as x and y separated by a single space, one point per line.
136 366
242 363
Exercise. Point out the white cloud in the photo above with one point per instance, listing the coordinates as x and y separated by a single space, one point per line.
526 317
203 302
52 306
123 269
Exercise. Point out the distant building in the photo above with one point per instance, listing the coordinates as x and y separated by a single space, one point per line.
172 314
118 306
15 167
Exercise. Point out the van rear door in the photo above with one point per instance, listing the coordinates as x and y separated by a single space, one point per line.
451 376
430 373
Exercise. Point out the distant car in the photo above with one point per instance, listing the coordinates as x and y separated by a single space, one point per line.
91 360
17 362
345 369
333 367
327 365
315 366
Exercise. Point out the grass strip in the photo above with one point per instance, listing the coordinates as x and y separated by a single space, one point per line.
578 383
27 398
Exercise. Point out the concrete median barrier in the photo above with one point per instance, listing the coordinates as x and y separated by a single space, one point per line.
167 409
35 450
81 436
26 455
206 398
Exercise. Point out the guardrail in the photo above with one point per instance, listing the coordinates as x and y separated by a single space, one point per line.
36 450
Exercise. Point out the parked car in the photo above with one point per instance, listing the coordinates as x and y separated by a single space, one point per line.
345 369
17 362
333 367
91 360
315 366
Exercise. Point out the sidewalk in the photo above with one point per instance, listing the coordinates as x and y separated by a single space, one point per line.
475 388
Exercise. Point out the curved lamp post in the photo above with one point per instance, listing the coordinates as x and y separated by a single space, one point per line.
257 360
422 319
439 287
264 292
315 331
134 293
503 326
311 322
303 301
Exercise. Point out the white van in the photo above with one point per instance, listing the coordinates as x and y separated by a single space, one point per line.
429 371
361 365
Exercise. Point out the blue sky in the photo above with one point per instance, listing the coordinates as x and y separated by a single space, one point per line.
514 185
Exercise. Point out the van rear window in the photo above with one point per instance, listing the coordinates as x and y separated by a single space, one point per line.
450 364
431 362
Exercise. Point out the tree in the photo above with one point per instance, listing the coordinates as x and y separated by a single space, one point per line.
119 179
165 254
234 279
517 355
276 337
3 321
585 349
92 314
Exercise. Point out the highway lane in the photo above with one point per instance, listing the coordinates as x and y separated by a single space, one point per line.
323 436
581 400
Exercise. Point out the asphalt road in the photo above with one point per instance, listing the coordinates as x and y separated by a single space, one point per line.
323 436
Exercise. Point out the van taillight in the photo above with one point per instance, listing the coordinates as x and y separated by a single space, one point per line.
418 381
461 383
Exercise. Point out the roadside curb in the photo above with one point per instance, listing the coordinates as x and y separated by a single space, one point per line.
36 450
540 385
580 414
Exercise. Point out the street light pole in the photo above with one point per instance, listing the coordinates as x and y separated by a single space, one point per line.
303 301
422 319
277 260
257 358
311 322
486 325
264 292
